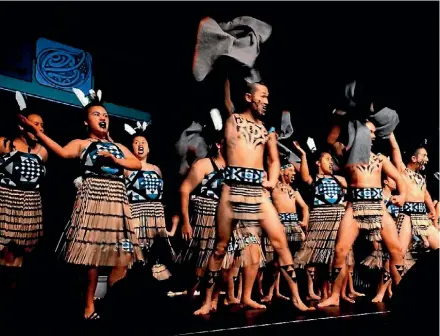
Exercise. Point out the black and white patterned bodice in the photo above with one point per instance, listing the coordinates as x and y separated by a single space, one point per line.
328 192
211 186
144 185
21 170
91 164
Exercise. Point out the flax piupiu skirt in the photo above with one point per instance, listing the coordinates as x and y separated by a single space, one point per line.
21 223
101 230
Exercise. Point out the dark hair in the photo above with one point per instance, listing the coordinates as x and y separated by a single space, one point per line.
13 132
252 87
88 106
139 134
412 152
212 138
239 87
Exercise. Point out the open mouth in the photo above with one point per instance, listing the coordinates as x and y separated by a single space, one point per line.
102 124
141 150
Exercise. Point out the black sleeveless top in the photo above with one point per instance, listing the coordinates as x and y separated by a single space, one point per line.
21 170
144 186
91 165
211 185
328 191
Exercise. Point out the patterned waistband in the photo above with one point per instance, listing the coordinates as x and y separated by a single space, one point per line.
104 177
338 205
21 187
414 208
366 194
288 217
242 243
244 175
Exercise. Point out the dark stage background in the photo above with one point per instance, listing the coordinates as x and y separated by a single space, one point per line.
142 57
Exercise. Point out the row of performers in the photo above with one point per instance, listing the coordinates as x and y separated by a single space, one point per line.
118 214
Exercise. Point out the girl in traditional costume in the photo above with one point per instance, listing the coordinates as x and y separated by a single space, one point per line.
145 191
101 231
22 168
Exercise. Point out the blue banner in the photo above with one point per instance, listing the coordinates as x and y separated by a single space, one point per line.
62 67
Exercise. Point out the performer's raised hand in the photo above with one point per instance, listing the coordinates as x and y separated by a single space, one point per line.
298 148
27 125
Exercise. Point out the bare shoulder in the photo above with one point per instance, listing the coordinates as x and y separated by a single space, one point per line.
79 142
203 165
341 179
157 170
232 119
121 146
2 144
44 153
379 157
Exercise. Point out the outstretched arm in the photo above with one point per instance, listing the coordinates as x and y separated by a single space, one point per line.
304 168
194 178
304 209
70 151
396 155
273 162
391 171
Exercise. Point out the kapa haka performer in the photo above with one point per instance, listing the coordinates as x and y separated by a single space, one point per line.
241 200
413 218
286 199
145 191
327 212
365 210
22 168
101 231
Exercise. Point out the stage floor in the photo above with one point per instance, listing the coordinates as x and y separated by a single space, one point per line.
139 305
280 316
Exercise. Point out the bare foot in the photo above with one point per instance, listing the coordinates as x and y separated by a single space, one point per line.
313 296
378 298
301 306
89 311
214 305
252 304
347 298
355 294
267 298
330 302
282 297
228 302
390 293
204 310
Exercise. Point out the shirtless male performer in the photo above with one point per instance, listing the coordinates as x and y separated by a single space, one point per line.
413 218
366 210
242 199
285 199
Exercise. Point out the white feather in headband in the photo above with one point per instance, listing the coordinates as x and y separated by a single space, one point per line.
216 119
84 100
139 127
20 100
